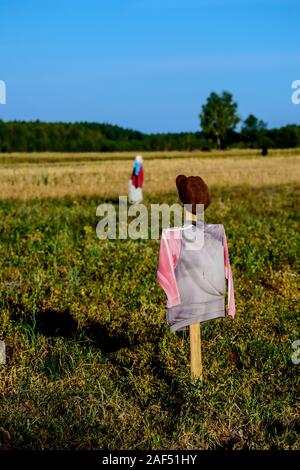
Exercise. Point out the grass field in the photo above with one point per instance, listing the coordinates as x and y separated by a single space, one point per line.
61 175
90 359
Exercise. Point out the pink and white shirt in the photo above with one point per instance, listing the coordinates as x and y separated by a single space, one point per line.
192 272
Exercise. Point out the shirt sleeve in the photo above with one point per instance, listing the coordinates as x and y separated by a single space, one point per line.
228 275
167 261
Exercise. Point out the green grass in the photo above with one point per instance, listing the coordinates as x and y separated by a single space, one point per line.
90 359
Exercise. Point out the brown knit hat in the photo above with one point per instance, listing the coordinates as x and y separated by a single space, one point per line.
193 190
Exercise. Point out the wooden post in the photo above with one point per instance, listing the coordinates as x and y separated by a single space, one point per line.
196 356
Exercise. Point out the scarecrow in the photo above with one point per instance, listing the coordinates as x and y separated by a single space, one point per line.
135 184
192 267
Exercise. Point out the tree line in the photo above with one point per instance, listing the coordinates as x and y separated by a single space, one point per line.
218 120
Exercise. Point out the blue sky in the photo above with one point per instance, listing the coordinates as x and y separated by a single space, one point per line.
148 64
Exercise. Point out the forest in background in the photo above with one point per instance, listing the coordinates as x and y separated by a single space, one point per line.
37 136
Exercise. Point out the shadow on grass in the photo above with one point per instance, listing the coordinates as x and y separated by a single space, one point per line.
54 323
102 338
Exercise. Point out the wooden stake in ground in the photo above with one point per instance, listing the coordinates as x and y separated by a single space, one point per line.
196 355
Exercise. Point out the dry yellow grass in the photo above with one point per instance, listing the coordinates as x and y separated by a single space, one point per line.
60 157
109 178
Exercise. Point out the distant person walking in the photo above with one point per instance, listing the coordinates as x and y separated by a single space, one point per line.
135 184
